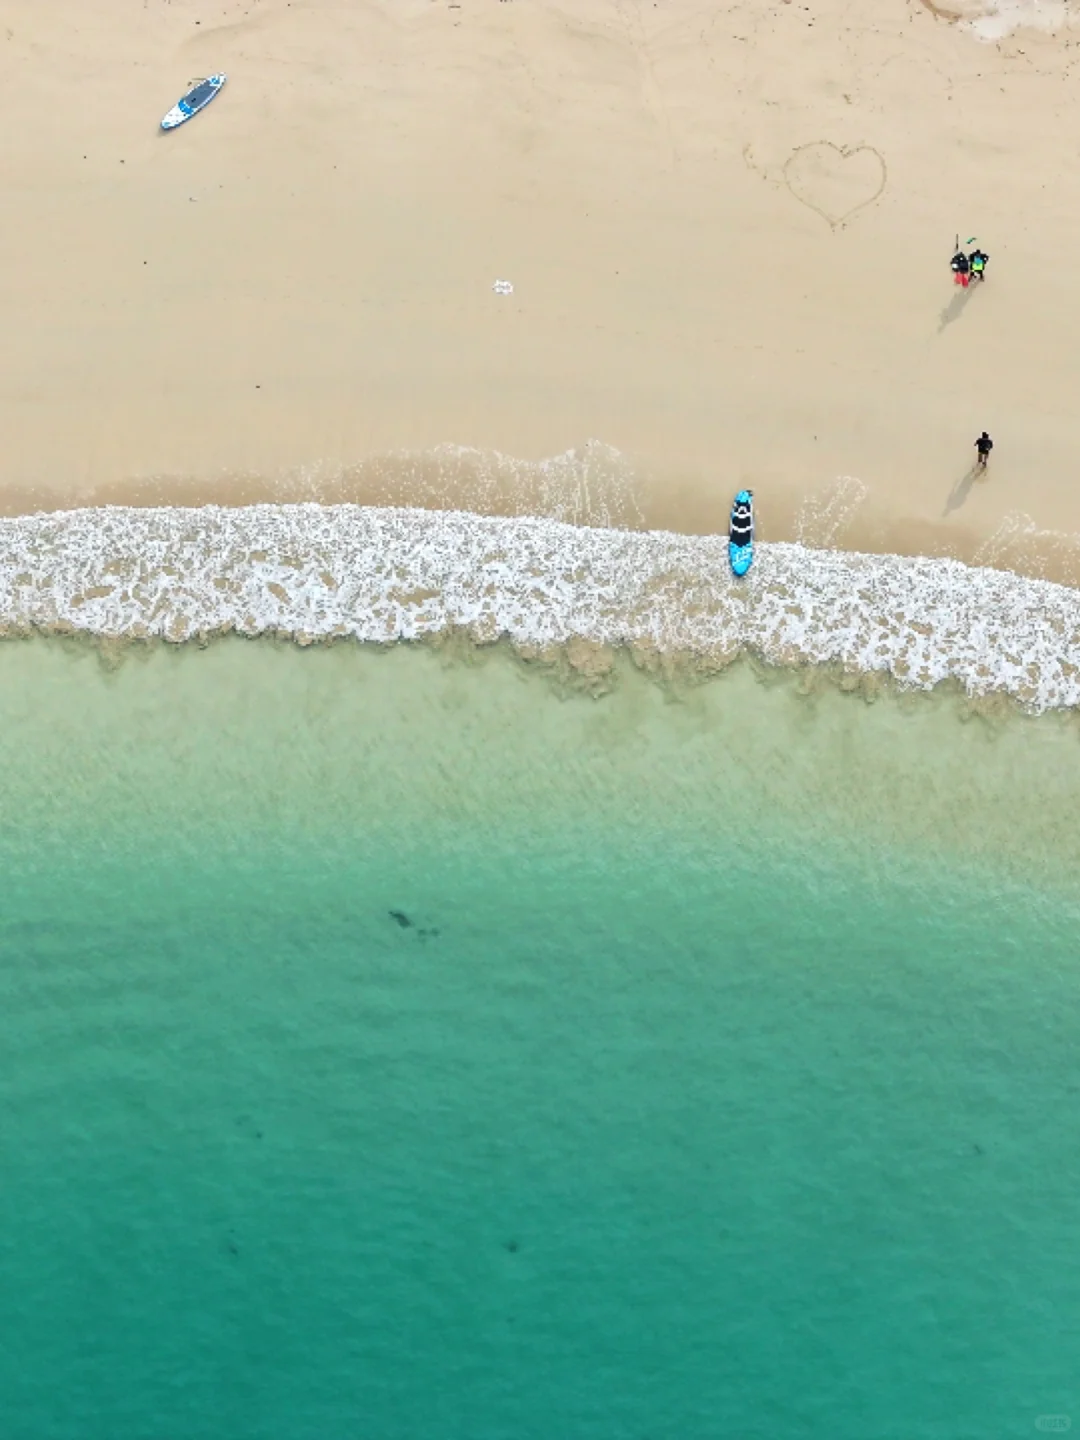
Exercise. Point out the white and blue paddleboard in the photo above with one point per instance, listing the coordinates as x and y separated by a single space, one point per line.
741 532
196 99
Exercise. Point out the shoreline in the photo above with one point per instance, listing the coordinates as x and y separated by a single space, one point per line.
559 594
596 485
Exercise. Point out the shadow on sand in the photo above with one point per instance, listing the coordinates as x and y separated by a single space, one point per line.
960 491
955 308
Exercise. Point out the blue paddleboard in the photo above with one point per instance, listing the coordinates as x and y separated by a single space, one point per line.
741 532
196 99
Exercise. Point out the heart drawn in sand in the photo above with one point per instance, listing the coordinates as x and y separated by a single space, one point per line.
835 181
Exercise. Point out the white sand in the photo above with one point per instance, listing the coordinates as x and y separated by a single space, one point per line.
728 229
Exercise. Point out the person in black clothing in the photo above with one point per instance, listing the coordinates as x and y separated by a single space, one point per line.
960 268
983 445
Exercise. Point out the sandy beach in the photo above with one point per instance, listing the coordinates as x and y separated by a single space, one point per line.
727 228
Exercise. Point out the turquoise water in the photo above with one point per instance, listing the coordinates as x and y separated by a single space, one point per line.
396 1046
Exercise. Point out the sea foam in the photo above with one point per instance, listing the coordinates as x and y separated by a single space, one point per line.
993 20
315 572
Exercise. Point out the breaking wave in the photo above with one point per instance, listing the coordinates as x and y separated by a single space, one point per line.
314 572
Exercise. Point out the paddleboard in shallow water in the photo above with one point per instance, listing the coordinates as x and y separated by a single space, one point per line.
199 96
741 532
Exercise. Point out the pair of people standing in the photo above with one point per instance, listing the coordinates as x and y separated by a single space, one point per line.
966 268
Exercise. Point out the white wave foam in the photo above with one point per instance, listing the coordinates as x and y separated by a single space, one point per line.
382 575
993 20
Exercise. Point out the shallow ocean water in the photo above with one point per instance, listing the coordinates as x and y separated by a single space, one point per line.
396 1044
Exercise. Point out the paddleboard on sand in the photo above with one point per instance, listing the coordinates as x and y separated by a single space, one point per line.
199 96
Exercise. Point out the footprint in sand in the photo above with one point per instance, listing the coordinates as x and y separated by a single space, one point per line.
834 180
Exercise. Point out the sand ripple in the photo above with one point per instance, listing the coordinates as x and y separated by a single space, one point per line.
315 572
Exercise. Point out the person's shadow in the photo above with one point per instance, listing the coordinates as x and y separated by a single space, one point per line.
955 308
962 489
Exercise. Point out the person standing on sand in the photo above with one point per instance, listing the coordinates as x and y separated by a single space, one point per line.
983 445
960 268
977 263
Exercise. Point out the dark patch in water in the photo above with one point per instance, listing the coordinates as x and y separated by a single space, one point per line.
512 1246
406 922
